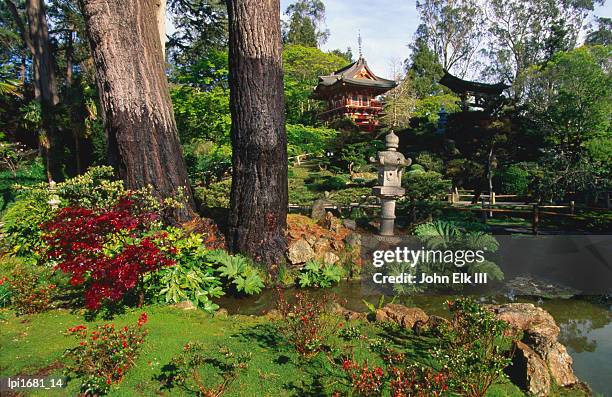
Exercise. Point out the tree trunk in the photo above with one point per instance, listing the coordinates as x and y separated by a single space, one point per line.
142 135
259 202
160 16
76 121
36 39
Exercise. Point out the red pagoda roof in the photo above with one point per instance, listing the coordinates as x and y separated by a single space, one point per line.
357 75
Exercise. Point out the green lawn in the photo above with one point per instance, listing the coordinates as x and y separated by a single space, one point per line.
33 345
27 175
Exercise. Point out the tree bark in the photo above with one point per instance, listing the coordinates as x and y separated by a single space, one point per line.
142 135
160 16
259 198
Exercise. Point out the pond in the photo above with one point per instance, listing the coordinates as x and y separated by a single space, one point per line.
586 327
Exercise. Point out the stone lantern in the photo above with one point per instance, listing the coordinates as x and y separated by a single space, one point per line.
390 164
54 200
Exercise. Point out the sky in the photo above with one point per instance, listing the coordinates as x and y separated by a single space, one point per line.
387 26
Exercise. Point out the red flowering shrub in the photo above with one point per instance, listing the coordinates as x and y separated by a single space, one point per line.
104 354
365 381
417 382
107 250
29 291
402 381
304 325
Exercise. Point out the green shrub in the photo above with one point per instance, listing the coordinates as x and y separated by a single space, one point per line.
473 348
238 270
350 195
430 162
191 279
425 185
300 194
447 236
207 162
302 139
332 182
217 195
22 235
200 274
515 179
317 274
185 369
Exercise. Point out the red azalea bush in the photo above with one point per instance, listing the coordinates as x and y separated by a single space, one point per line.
104 354
107 250
304 325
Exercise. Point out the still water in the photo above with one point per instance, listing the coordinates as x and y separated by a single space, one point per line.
586 327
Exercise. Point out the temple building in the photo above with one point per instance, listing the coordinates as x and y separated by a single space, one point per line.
487 97
353 92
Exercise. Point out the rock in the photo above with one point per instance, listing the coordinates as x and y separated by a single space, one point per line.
331 223
300 252
321 245
311 239
407 317
349 315
540 334
222 313
349 224
437 321
559 363
317 211
337 245
330 258
353 239
185 305
528 371
536 322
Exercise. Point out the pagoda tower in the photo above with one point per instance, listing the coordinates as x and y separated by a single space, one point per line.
352 92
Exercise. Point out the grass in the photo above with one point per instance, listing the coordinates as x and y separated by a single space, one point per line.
34 344
28 175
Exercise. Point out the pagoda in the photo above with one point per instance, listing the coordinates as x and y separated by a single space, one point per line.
352 92
473 94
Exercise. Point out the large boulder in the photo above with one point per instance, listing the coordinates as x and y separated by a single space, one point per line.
540 333
536 322
528 371
300 252
406 317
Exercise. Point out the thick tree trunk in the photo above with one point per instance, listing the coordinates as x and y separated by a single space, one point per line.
259 202
142 135
160 16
